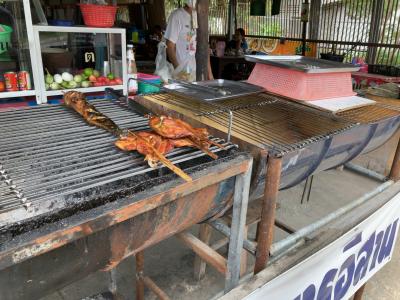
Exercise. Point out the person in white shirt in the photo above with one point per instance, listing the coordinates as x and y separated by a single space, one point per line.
181 42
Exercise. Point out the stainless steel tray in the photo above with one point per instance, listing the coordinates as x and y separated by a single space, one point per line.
302 63
214 90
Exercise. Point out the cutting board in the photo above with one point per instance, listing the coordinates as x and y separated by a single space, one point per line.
339 104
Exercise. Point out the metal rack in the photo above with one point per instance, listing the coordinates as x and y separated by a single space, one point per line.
34 44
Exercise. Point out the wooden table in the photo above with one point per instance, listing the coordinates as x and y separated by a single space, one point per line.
219 63
366 79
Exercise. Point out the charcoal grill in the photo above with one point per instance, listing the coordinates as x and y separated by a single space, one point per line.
71 203
308 140
289 141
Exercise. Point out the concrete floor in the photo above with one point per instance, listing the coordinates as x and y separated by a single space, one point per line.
170 264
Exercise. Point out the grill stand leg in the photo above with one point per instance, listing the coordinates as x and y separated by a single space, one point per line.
142 281
358 295
139 276
199 264
240 202
113 282
265 228
395 169
243 261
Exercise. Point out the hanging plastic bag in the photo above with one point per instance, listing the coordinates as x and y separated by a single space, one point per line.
186 70
164 69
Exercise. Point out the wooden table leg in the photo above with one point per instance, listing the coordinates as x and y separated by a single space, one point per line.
359 293
199 264
243 260
395 170
265 230
139 276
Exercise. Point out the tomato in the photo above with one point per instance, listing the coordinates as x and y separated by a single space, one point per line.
2 86
98 83
118 80
102 79
92 78
113 82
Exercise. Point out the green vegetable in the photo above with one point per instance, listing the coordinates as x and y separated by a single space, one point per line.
72 84
47 86
88 71
85 84
48 78
96 73
67 76
58 79
111 76
78 78
54 86
65 84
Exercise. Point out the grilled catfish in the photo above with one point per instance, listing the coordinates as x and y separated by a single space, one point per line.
144 142
176 129
90 114
153 147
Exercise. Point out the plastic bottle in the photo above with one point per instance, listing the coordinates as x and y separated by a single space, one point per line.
132 70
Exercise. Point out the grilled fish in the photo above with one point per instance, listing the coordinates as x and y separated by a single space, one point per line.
176 129
90 114
153 147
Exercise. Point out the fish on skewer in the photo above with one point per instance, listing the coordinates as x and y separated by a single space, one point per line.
132 142
90 114
153 147
145 145
161 144
175 129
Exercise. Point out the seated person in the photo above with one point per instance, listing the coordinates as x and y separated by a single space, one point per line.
239 41
157 33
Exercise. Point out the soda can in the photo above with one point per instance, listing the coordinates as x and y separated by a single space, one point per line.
11 81
24 81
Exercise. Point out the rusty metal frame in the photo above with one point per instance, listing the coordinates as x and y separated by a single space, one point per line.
265 229
231 266
175 205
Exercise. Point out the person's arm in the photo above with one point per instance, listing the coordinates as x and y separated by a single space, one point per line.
171 36
171 53
210 73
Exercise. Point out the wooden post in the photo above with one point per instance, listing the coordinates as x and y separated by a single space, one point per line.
265 230
199 264
231 8
359 293
375 29
314 22
202 54
139 276
304 31
395 169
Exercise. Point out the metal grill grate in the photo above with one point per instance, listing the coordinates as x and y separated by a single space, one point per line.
369 114
50 152
263 120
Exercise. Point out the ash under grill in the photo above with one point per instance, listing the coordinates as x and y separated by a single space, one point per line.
262 120
50 153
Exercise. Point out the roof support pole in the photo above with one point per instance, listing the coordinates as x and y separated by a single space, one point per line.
202 52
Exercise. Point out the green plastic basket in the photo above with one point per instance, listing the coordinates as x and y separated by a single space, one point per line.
5 38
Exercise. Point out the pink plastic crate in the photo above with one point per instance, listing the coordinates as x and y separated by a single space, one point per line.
145 76
300 85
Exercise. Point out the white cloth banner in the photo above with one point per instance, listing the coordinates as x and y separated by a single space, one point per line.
341 268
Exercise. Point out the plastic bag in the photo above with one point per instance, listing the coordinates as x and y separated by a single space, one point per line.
186 71
164 69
